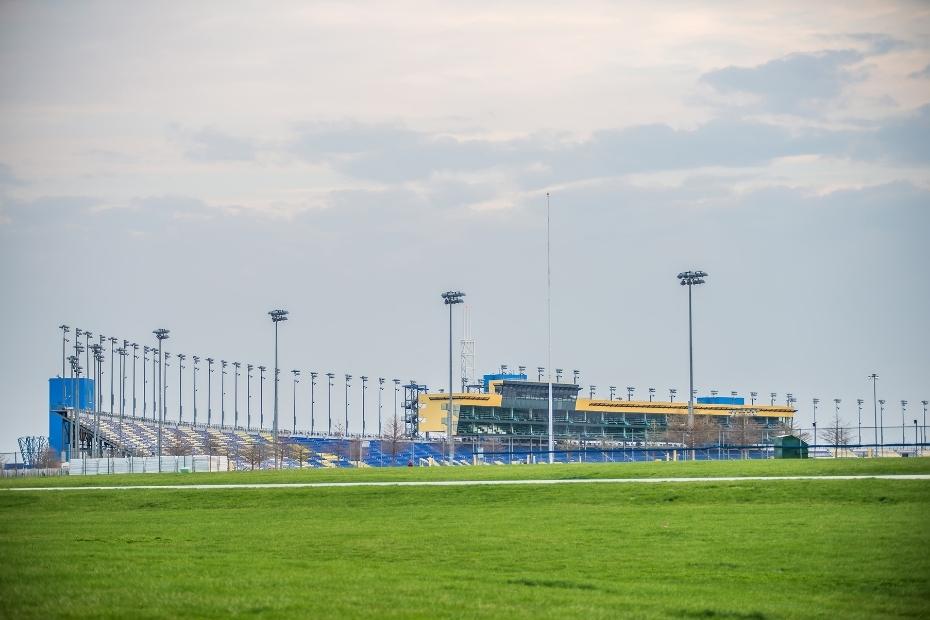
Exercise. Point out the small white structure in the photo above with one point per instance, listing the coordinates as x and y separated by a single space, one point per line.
147 465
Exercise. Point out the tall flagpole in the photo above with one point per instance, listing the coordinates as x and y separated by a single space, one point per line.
549 332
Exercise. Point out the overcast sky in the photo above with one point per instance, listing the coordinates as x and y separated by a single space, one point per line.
192 166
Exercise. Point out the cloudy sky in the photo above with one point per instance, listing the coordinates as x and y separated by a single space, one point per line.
194 165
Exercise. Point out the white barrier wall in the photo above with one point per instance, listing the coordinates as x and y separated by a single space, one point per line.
147 465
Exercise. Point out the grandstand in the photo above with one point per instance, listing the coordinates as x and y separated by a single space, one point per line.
511 408
500 426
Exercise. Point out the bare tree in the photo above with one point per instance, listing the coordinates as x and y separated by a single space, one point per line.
253 453
48 459
744 429
216 445
836 433
175 446
705 431
394 436
299 453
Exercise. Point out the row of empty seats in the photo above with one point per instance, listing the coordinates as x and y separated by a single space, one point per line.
255 449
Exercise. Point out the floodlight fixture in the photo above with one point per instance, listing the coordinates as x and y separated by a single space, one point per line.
364 388
691 279
348 385
161 334
209 390
329 404
313 376
296 374
276 316
450 298
903 422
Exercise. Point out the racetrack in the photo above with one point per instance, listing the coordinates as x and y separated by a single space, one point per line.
463 483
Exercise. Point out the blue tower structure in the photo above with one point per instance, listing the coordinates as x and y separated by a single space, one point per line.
62 396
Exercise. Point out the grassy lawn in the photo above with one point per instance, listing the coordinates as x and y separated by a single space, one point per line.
506 472
830 549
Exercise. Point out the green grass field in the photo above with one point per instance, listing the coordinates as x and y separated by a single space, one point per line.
769 549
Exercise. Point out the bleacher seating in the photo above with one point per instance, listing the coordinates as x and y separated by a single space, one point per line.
253 449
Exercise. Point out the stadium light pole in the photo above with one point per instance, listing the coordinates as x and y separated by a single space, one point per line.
923 433
549 398
881 424
613 391
154 351
816 402
396 390
98 399
903 423
123 377
652 392
539 373
591 390
836 423
112 373
223 364
380 398
364 388
691 279
329 405
64 340
145 381
296 374
87 336
629 392
135 356
236 365
248 396
122 386
859 402
773 396
672 392
161 334
313 376
348 385
209 391
752 397
72 419
164 387
261 397
451 298
916 437
277 316
874 378
576 376
196 360
558 375
181 357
